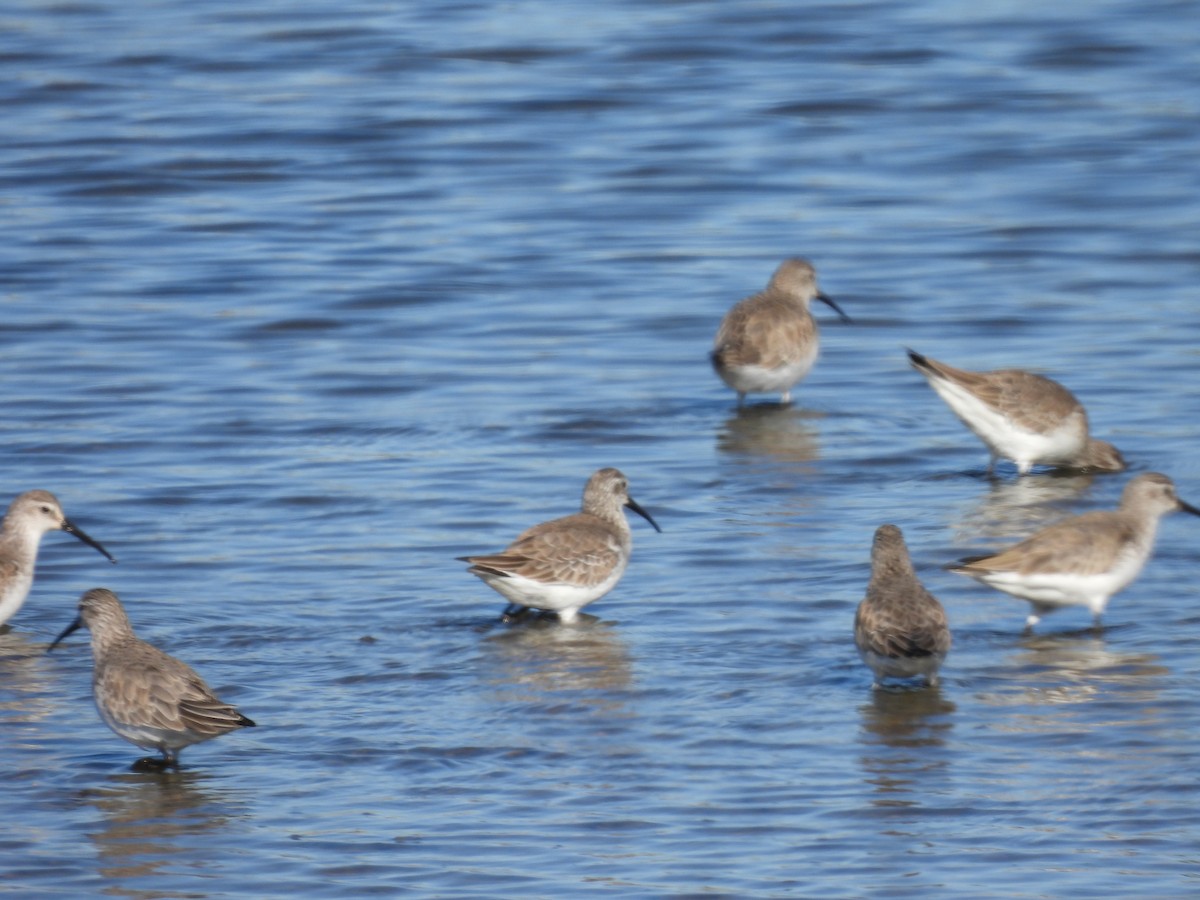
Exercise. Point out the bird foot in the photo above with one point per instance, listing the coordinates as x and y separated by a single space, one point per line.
513 613
154 764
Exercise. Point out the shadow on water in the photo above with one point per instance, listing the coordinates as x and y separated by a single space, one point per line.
1013 509
151 825
544 660
781 432
903 733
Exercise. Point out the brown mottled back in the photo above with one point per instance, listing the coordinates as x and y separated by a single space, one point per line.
773 327
899 618
1032 401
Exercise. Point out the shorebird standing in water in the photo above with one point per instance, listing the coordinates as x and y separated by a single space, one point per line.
1083 560
769 341
152 700
1020 416
29 517
565 564
900 628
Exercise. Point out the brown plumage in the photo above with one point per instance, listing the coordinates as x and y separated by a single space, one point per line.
769 341
1083 560
900 628
566 563
1090 541
575 549
1020 416
149 698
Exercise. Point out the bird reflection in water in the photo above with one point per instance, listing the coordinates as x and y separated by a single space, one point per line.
1076 667
903 736
1016 508
150 826
27 693
783 433
541 660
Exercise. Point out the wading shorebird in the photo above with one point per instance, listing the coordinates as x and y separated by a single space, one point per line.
565 564
1020 416
1083 560
769 341
152 700
29 517
900 628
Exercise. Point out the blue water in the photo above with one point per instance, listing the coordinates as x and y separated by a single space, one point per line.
301 301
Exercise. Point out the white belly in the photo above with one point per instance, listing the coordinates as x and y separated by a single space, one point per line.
1058 589
755 379
148 737
1005 438
565 599
14 595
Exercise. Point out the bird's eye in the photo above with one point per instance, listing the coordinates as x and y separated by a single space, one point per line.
46 510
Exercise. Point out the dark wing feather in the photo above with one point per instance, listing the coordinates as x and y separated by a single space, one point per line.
907 626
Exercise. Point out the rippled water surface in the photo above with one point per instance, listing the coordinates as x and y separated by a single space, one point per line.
301 301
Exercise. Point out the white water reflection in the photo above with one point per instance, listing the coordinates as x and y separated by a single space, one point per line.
29 690
903 737
155 826
1012 509
542 660
784 433
1064 669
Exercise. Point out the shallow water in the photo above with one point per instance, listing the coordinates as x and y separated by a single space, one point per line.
301 302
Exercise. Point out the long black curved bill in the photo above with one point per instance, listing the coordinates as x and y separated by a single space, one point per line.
825 298
632 504
71 528
1188 508
69 630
